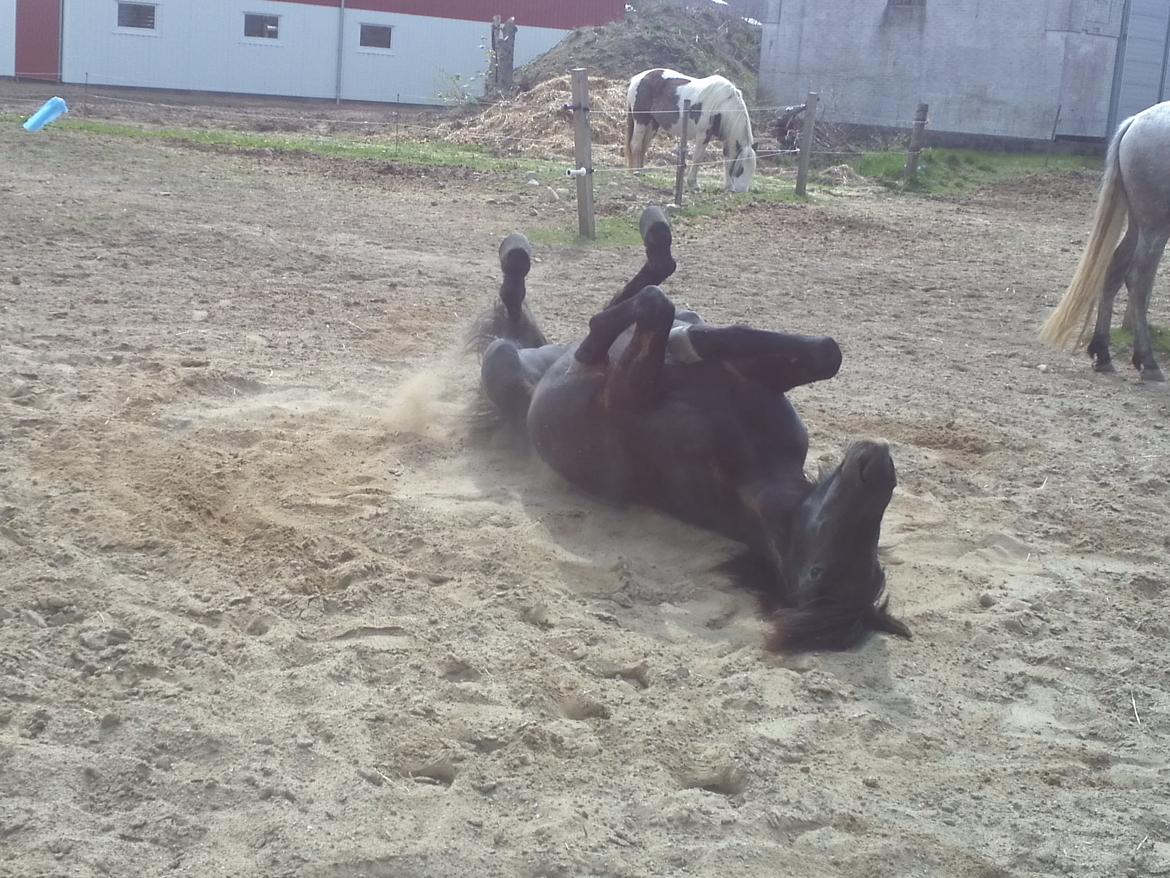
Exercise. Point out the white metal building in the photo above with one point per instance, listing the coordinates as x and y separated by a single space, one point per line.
1033 69
7 37
416 51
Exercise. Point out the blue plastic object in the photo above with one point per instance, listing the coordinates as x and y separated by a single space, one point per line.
53 109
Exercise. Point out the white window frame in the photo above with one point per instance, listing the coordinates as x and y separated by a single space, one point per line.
138 31
262 41
377 50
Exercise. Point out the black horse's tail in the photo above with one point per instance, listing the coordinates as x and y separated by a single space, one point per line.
509 317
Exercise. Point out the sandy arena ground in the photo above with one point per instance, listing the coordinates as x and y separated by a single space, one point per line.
266 610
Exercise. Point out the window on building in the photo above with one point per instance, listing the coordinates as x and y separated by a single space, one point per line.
376 37
136 15
266 27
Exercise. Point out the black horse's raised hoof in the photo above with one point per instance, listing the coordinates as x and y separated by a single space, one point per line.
515 262
656 236
509 317
655 229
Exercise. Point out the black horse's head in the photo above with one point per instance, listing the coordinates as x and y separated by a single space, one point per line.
829 560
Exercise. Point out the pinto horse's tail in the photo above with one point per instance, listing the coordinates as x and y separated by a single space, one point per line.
1068 324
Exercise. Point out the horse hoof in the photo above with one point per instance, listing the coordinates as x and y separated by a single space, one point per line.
1153 375
1106 366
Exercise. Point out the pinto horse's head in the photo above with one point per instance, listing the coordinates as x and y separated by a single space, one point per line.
829 557
741 167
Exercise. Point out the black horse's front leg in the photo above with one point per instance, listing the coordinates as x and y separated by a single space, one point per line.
660 264
777 360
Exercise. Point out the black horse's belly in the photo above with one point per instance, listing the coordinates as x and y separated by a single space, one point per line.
710 439
568 431
690 455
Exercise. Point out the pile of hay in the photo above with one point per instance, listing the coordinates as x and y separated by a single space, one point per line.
697 38
536 124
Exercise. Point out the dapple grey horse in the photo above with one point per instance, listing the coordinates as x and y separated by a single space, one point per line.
1135 195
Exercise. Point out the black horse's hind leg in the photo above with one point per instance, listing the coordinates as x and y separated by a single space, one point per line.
633 380
1114 277
1140 280
510 318
504 379
659 263
775 359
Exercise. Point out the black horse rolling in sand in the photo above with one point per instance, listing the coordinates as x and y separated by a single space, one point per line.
655 406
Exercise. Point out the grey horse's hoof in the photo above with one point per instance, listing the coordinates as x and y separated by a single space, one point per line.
1153 375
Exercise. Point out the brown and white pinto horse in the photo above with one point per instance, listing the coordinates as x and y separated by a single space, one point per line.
655 101
655 406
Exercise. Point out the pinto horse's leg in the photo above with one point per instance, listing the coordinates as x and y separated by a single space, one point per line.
698 157
639 143
777 360
1114 277
660 264
1140 280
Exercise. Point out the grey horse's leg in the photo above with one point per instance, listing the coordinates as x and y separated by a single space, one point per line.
1114 278
1140 281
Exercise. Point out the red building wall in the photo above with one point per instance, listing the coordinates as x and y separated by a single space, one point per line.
564 14
38 39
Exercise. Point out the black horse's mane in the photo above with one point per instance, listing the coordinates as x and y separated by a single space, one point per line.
823 625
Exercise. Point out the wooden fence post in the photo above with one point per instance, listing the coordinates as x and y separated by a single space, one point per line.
807 141
681 170
493 74
506 57
583 153
916 134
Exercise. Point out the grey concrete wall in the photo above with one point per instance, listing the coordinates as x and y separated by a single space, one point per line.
996 67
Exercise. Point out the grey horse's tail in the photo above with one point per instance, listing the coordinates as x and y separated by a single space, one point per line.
1068 324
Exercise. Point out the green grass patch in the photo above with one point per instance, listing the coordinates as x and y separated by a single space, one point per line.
612 231
1122 339
942 171
712 201
622 231
425 153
